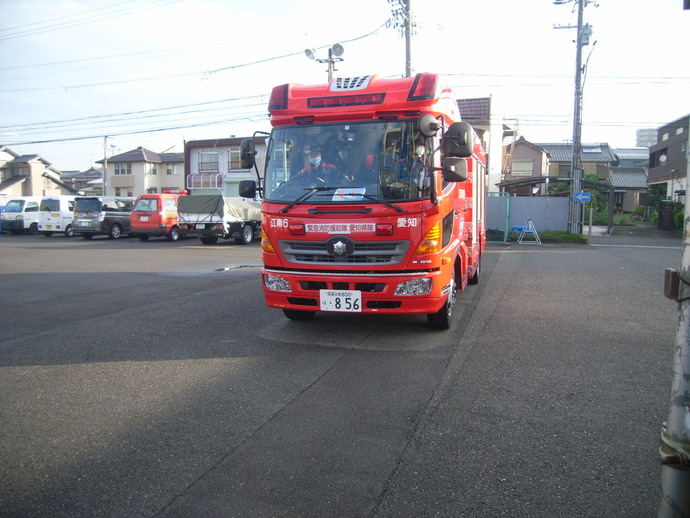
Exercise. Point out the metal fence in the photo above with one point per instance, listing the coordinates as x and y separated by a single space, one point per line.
505 213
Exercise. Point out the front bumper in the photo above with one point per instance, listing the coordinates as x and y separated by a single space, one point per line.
377 290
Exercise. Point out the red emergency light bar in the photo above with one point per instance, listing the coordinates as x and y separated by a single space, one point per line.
345 100
424 88
279 98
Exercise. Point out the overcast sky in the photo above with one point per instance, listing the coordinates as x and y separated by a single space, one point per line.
155 73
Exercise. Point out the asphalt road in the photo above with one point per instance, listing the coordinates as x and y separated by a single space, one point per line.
149 379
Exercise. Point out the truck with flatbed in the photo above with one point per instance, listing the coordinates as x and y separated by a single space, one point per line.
212 217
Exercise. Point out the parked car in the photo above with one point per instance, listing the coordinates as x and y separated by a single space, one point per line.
156 215
55 214
20 215
108 215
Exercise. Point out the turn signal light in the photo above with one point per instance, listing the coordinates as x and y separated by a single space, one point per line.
266 245
431 242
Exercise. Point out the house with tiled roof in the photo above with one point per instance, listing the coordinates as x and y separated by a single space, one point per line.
595 159
477 111
525 167
89 182
628 175
142 171
28 175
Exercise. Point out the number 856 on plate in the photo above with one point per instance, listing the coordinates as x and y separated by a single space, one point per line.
341 300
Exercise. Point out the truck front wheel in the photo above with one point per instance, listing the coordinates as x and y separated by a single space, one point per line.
443 318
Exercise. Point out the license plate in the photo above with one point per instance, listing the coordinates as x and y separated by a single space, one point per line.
144 218
349 301
49 227
201 226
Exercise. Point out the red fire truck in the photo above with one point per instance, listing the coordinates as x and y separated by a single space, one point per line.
373 198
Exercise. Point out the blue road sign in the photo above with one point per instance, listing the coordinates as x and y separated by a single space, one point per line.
583 197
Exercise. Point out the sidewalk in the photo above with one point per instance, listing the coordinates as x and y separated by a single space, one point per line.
639 235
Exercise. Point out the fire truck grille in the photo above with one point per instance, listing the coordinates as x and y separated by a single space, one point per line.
310 252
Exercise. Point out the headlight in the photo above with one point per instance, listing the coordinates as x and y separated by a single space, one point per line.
414 287
276 283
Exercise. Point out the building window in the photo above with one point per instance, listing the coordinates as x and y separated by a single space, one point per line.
522 168
123 168
152 169
664 137
172 168
208 161
235 160
123 191
679 131
151 190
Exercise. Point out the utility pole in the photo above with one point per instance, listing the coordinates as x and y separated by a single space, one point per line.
576 165
576 172
402 20
105 162
674 449
408 38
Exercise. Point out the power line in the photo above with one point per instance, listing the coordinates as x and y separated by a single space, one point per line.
184 74
89 18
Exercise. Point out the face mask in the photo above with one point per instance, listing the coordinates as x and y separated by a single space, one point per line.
315 161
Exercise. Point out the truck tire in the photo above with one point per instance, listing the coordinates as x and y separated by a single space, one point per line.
209 240
443 318
33 229
475 278
247 235
69 231
294 314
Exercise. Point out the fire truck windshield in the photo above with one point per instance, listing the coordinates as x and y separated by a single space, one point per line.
367 162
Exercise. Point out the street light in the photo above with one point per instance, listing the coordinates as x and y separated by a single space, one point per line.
334 54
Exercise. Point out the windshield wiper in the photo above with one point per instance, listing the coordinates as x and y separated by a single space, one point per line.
374 198
308 194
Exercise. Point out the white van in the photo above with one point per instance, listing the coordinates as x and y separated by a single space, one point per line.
55 214
21 214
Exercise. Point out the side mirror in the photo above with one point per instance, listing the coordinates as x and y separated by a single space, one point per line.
428 125
247 189
458 140
247 153
454 169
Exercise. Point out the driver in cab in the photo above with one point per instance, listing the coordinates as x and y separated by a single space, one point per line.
317 168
